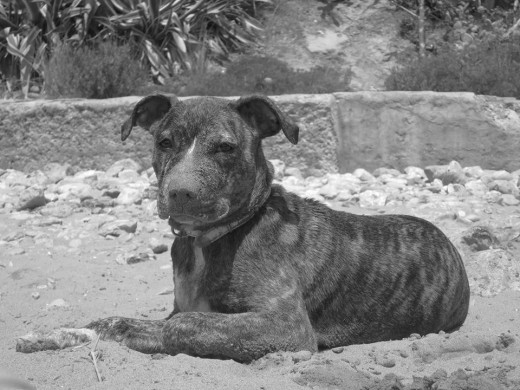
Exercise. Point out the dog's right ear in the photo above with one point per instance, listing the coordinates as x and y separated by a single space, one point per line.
148 111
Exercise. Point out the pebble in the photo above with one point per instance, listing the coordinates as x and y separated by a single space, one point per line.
385 361
157 246
166 291
58 303
301 356
372 199
134 258
117 227
509 200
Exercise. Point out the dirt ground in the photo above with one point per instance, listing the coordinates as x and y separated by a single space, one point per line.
62 272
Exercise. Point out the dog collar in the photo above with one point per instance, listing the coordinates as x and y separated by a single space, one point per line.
204 238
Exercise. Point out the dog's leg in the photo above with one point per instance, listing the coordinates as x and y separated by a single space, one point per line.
142 335
243 337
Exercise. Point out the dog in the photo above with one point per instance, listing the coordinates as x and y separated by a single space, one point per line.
258 269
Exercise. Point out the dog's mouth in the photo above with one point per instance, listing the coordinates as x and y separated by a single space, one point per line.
199 218
185 219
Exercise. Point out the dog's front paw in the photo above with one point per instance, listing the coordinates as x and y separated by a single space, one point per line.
142 335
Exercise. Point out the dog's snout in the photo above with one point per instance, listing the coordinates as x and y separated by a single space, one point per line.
182 195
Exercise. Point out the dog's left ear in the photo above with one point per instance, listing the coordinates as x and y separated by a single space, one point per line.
261 113
148 111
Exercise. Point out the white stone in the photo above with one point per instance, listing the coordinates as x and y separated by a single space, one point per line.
372 199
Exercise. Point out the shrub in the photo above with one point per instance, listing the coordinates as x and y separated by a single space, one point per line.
255 74
487 68
100 71
166 32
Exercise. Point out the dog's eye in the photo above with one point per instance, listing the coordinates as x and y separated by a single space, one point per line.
225 147
166 144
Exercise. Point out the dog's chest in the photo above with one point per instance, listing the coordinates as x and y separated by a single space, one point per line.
188 286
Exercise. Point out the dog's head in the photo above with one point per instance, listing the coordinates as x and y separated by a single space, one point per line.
208 156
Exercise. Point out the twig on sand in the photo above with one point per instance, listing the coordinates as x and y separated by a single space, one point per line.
93 355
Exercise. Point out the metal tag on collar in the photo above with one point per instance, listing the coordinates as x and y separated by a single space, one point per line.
179 233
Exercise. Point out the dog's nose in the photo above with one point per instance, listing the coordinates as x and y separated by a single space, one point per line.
182 195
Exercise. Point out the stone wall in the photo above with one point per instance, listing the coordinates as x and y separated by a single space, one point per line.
338 132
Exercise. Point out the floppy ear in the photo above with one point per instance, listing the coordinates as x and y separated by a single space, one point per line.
261 113
148 111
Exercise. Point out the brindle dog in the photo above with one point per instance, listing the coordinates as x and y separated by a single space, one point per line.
258 269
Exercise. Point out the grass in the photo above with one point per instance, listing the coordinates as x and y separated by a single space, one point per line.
487 68
102 70
255 74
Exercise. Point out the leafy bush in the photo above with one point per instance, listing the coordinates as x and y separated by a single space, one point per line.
254 74
165 32
487 68
97 71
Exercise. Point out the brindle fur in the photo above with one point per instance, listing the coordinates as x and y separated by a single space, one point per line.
297 275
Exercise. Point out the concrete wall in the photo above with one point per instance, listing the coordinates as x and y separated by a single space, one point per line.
338 132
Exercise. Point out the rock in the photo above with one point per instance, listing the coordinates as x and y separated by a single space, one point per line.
372 199
135 258
301 356
466 38
386 171
385 361
13 178
474 172
129 175
13 236
74 189
329 191
414 175
157 246
503 186
493 196
509 200
112 193
363 175
394 182
48 221
279 169
58 303
344 195
120 165
166 291
456 189
32 199
476 187
315 182
56 172
295 172
451 173
16 251
89 176
436 186
149 207
129 196
59 209
35 295
493 271
502 175
117 227
480 238
338 349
